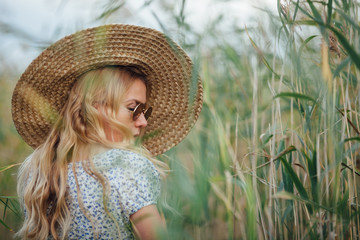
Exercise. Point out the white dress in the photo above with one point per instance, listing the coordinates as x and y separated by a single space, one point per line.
134 183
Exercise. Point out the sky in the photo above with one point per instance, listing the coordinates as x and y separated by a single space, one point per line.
37 23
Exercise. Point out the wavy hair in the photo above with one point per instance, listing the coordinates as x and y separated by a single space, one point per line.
42 178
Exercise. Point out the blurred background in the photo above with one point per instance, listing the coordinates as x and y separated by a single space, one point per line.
275 153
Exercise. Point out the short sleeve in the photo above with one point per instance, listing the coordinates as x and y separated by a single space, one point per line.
134 179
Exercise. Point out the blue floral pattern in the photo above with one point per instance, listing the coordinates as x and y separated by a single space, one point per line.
133 184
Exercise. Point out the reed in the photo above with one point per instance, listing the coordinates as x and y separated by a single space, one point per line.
278 138
275 153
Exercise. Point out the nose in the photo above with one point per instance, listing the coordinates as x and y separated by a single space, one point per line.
141 122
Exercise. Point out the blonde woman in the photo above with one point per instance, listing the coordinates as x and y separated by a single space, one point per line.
82 105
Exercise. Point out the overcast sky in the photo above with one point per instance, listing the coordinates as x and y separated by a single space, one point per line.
42 21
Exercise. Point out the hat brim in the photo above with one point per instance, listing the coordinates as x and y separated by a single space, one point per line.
175 90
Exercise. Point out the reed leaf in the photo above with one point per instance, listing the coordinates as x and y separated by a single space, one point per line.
346 45
282 15
312 170
341 66
111 9
251 216
11 203
342 39
350 168
286 178
329 12
296 9
304 43
295 179
294 95
352 139
290 196
316 14
2 169
5 225
263 59
348 19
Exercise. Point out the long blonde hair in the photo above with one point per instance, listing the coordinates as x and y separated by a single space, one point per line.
42 178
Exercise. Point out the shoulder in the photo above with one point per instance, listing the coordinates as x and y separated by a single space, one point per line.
125 161
120 156
133 178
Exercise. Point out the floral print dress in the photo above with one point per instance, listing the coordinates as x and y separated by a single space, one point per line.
133 184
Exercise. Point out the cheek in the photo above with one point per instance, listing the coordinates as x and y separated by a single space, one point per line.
124 117
111 134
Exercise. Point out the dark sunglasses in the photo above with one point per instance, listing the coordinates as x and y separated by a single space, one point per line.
140 108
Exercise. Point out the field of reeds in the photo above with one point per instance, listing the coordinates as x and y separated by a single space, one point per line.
275 153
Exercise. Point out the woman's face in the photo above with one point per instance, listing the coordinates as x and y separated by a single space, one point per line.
135 95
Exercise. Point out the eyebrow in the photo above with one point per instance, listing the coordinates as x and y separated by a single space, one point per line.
135 100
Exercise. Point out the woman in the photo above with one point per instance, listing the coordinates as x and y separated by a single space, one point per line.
82 104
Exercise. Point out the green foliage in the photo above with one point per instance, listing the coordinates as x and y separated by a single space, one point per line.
13 151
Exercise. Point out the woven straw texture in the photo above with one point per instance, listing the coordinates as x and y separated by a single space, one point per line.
175 92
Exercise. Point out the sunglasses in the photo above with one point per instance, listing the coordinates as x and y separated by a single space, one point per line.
140 108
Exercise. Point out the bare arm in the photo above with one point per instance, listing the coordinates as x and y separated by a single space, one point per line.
147 222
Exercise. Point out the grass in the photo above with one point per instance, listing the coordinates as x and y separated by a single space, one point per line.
275 153
12 152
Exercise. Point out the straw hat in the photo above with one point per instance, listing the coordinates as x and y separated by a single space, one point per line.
175 88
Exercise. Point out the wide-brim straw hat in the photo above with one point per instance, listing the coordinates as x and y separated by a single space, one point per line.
175 89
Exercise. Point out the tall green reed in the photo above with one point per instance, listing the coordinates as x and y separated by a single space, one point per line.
12 151
287 136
